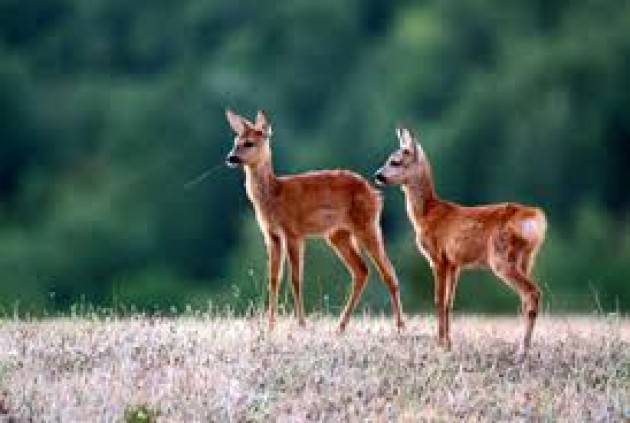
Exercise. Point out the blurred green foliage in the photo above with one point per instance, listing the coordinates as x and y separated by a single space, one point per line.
109 107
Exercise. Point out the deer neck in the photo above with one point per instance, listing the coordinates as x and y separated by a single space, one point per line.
419 195
260 184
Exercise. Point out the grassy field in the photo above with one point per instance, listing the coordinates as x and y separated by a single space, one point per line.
220 369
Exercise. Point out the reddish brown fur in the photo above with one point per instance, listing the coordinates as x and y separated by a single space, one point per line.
335 204
503 238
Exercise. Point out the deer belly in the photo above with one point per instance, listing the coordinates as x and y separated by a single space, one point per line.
322 220
468 251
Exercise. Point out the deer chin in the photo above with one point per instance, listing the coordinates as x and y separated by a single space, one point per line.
233 165
233 161
380 180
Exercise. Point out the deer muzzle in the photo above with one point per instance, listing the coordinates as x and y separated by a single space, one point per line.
233 160
379 178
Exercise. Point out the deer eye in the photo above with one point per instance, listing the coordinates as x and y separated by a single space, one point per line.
395 163
248 144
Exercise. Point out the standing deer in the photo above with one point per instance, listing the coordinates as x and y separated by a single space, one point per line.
501 237
335 204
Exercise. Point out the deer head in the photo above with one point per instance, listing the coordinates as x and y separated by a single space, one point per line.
404 165
251 143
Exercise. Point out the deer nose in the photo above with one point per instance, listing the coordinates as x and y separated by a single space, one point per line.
379 178
232 160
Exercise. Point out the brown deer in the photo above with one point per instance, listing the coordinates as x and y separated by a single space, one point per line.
501 237
335 204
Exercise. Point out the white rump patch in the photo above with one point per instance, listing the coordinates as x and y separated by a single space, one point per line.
529 226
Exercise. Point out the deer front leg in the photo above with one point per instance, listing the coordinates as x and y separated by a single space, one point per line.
274 265
295 249
440 276
451 278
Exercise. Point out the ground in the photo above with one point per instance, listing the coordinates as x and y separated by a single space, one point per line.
227 369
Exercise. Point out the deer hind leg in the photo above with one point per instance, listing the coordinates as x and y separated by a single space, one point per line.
341 242
373 243
527 259
524 263
274 265
508 267
295 249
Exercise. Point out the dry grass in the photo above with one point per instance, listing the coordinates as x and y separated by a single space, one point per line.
219 369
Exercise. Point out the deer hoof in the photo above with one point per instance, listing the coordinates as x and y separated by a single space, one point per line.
444 343
521 355
341 328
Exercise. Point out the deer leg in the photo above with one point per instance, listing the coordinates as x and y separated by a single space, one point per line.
440 275
295 249
527 259
373 242
452 287
530 297
451 279
525 263
341 242
274 265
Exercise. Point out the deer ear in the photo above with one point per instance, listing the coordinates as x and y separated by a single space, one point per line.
408 142
262 123
405 137
418 151
261 119
237 123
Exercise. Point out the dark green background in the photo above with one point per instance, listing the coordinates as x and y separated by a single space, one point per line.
109 107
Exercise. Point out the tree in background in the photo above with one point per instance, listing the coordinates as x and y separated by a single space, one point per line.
110 107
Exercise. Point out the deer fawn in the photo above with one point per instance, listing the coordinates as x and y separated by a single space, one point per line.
335 204
502 237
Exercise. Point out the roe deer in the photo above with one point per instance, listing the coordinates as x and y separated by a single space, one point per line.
502 237
335 204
